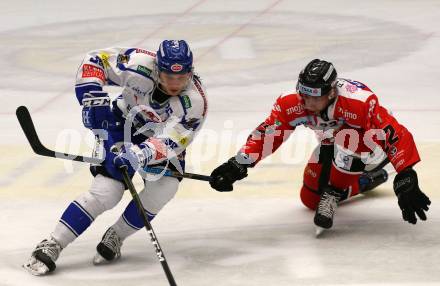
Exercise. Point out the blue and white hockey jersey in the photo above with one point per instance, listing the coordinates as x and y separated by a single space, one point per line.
175 121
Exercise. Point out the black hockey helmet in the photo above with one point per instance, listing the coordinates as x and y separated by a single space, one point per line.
317 78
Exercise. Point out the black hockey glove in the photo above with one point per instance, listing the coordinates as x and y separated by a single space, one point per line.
411 199
226 174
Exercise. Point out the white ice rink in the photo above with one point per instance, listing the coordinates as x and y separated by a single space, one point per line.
247 52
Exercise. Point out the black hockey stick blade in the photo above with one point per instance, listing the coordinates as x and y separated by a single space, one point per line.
25 119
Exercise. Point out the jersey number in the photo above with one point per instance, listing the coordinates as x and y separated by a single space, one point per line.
392 137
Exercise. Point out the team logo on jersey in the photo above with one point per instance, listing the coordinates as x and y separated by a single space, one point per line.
123 59
176 67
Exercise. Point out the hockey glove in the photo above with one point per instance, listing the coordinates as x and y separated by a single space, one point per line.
411 199
226 174
96 112
133 157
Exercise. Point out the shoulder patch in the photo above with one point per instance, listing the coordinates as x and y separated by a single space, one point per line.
123 59
105 59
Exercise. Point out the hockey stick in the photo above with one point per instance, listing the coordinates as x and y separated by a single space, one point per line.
160 254
28 127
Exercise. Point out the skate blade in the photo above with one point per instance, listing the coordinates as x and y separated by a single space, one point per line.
319 231
99 260
36 268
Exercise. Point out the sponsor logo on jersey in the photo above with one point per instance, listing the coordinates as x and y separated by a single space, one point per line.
400 163
186 102
150 116
351 88
144 70
93 71
176 67
357 83
299 121
297 109
348 114
372 104
105 59
393 151
180 138
160 148
198 86
138 91
142 51
311 172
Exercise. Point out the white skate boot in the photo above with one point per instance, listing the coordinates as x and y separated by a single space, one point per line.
42 260
109 249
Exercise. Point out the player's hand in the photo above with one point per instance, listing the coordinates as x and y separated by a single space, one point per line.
133 157
224 176
96 109
411 199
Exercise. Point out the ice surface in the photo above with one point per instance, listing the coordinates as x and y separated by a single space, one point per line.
247 52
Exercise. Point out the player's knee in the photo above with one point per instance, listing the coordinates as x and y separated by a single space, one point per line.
104 194
309 198
159 193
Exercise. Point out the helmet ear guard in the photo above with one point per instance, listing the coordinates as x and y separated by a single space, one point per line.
317 78
175 57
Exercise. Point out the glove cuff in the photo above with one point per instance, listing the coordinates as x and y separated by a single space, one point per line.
240 168
405 181
96 101
143 153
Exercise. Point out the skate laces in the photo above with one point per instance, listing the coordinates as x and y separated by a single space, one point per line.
327 204
112 241
49 247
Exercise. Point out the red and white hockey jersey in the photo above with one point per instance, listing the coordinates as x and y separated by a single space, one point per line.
356 108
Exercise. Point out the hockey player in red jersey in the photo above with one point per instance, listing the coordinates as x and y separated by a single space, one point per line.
358 137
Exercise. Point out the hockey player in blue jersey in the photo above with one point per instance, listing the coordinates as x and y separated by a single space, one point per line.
161 107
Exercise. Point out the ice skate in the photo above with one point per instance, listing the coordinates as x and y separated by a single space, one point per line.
109 249
327 207
42 260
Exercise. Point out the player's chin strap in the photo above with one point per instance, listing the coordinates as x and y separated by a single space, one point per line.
324 112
